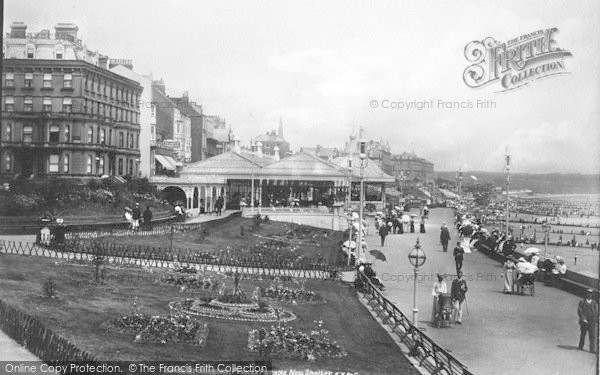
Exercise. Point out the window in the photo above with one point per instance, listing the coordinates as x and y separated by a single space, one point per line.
89 164
130 167
178 127
28 104
9 132
153 132
67 105
121 139
30 51
67 133
130 140
53 166
7 162
9 80
28 79
47 104
27 133
103 136
54 135
97 135
47 80
101 166
90 137
59 51
120 166
9 103
66 163
109 141
68 81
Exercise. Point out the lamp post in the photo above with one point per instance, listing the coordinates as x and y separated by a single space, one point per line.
350 222
546 228
507 169
363 163
252 147
417 258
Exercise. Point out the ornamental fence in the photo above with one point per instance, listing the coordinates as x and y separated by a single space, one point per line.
146 256
430 355
39 340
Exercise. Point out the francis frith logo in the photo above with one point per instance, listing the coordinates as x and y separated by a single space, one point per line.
515 63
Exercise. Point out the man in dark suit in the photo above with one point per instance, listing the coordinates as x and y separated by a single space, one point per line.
444 237
588 320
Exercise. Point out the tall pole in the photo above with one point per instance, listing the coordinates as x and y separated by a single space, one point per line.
360 213
252 183
415 310
507 168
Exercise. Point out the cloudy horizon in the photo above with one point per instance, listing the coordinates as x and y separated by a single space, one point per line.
328 69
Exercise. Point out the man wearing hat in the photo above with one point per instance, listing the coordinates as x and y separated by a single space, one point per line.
444 237
588 320
136 215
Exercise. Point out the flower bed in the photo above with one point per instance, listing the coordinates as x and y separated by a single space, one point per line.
284 342
291 295
162 329
250 312
191 281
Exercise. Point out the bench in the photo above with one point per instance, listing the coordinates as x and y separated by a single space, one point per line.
579 282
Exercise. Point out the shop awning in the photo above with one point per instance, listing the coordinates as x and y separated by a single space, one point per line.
164 162
174 163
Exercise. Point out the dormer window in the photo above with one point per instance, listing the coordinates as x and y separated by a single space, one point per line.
59 52
30 51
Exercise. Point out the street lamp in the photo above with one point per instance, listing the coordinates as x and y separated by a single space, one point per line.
350 223
363 163
546 228
417 258
253 149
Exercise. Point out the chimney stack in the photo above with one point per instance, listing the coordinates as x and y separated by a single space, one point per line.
66 31
103 62
125 62
18 30
159 85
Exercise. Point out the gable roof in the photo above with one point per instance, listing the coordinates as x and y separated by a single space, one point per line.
372 172
230 164
303 166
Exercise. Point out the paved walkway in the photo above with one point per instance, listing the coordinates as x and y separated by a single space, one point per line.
500 334
10 350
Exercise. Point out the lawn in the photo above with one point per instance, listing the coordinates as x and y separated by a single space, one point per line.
83 306
271 239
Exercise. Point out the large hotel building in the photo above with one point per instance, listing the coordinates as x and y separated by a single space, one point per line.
63 112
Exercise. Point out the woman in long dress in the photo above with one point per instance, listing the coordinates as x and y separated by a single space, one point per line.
439 287
509 270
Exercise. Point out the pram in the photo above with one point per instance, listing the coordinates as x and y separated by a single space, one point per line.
443 317
526 281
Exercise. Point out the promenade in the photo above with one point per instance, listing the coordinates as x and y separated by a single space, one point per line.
500 334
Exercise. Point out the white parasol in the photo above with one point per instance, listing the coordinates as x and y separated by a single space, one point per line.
405 218
350 244
531 250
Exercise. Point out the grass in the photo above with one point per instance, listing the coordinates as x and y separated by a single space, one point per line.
292 239
82 307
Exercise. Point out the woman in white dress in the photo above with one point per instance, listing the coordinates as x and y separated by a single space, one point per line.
509 272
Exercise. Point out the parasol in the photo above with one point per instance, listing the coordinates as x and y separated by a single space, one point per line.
405 218
378 255
531 250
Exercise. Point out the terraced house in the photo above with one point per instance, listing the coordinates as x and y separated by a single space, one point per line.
64 114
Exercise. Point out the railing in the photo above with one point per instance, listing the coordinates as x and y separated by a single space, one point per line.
147 256
284 210
431 356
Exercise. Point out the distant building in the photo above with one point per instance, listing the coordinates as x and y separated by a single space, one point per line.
325 153
270 140
173 127
64 114
412 169
198 134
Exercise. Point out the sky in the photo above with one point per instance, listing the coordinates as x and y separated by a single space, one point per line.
330 68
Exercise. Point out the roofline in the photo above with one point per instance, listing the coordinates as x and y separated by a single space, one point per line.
64 64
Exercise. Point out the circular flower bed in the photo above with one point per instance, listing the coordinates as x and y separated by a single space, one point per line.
191 281
174 328
249 311
284 342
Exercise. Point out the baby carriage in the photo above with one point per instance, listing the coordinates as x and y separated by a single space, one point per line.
443 318
526 281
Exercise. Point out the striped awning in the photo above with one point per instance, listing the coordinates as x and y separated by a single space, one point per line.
164 162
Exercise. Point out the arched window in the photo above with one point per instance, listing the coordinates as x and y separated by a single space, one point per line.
59 51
